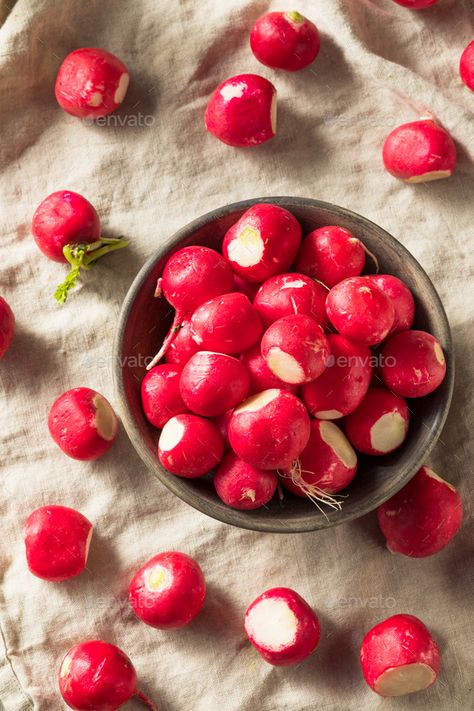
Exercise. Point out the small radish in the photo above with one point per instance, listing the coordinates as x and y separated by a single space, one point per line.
190 446
161 399
227 324
421 518
401 297
66 228
413 363
360 311
419 152
416 4
91 83
285 40
380 423
269 430
222 424
282 627
325 466
261 377
343 385
466 66
212 383
7 326
263 242
57 541
286 294
83 424
331 254
168 591
295 349
98 676
183 345
242 111
242 486
246 287
399 656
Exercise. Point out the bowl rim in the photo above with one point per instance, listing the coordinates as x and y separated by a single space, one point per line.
237 518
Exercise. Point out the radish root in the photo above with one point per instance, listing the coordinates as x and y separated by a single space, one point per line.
314 493
372 256
145 701
169 338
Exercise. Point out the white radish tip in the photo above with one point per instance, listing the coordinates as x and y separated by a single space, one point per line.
258 401
332 435
285 366
272 624
247 248
158 579
171 435
388 432
105 420
439 354
328 415
429 176
429 472
405 679
273 113
121 89
65 666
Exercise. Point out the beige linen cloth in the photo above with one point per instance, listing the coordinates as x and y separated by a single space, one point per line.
148 174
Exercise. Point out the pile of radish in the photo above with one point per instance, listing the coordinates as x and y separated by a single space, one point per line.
268 375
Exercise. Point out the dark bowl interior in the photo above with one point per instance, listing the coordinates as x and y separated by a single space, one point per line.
144 321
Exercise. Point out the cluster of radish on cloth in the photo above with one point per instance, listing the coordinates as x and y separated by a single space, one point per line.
254 383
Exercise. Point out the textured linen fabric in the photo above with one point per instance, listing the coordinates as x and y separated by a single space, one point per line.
148 172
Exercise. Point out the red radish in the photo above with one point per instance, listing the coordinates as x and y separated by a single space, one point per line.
243 486
190 446
331 254
413 363
286 294
261 377
246 287
83 424
66 228
466 66
401 298
160 394
269 430
7 326
295 349
416 4
263 242
421 518
399 656
282 627
212 383
222 424
98 676
227 324
242 111
360 311
57 541
183 346
285 40
91 83
325 466
168 591
343 385
419 152
380 423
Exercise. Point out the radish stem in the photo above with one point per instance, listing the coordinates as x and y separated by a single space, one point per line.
145 701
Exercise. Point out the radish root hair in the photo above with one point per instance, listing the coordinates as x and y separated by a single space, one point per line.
314 493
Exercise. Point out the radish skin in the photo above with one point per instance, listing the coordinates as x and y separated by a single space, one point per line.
380 424
416 4
331 254
190 446
183 346
287 294
401 298
420 151
222 424
228 324
242 486
413 364
161 398
261 377
7 326
422 518
466 66
212 383
285 40
246 287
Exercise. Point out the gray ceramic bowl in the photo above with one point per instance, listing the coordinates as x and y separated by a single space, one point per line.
144 320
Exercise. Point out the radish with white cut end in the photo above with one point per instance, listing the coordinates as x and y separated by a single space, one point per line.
422 518
66 228
326 465
287 294
285 40
401 297
212 383
341 388
262 243
168 591
416 4
413 364
399 656
242 111
380 423
331 254
98 676
83 424
7 326
91 83
227 324
261 377
161 399
269 430
242 486
190 446
282 627
360 311
295 349
183 345
57 541
466 66
419 152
